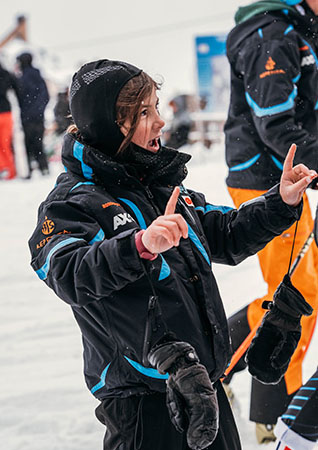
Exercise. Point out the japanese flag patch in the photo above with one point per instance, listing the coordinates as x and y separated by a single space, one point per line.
188 200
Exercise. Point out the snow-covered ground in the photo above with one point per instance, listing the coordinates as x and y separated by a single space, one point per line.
43 398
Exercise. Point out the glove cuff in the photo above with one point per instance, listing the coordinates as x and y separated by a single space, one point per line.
290 301
171 356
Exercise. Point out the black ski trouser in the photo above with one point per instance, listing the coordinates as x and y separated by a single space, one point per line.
33 137
143 423
302 412
268 401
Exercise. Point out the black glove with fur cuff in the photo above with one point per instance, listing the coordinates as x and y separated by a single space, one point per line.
191 399
276 339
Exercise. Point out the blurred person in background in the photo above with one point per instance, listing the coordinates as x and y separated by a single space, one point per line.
34 97
53 136
177 134
7 164
62 114
274 102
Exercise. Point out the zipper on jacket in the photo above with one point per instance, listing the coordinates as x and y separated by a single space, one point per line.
187 212
151 199
149 193
148 328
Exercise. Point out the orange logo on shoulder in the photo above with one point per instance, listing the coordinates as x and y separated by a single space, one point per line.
48 226
106 205
270 68
270 64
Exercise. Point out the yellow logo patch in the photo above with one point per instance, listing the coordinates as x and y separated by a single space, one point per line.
48 226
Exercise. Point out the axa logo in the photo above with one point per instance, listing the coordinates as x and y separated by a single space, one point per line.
48 226
270 64
270 68
121 219
307 60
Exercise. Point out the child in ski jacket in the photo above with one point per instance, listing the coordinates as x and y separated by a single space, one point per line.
129 248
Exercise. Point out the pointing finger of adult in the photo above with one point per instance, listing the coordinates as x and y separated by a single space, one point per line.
172 202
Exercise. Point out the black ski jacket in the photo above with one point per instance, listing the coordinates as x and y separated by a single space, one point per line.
7 82
83 247
33 95
274 95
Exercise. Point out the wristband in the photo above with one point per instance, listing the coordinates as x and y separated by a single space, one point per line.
142 250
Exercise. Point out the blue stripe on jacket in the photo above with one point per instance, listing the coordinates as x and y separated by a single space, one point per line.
44 270
78 154
272 110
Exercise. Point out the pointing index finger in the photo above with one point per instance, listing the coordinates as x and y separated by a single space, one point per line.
172 202
288 163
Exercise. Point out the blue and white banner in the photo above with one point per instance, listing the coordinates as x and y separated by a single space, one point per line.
213 72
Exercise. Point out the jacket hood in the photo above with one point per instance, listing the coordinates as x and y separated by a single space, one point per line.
247 12
259 14
93 95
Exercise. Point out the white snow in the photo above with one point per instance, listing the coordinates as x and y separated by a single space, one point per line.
44 401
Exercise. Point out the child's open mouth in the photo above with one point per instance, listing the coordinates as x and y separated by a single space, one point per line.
154 144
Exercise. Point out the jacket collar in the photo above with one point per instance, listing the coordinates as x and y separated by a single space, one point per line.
93 165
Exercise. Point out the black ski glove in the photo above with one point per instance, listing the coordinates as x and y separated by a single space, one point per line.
276 339
191 399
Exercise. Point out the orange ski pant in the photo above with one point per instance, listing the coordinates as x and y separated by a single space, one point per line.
274 260
6 154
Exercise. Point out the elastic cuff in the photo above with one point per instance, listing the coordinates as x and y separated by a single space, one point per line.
142 250
295 211
291 439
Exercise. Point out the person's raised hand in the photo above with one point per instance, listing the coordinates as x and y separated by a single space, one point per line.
167 230
294 180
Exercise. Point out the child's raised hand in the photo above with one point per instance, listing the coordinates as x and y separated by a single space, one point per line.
294 180
167 230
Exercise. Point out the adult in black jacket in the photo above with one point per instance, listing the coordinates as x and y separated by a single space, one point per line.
274 101
129 248
34 97
7 165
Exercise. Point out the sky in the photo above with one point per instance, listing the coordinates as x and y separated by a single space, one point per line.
156 36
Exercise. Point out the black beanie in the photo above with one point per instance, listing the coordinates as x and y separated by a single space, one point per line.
93 95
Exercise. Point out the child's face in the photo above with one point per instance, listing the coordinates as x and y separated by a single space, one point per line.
148 131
